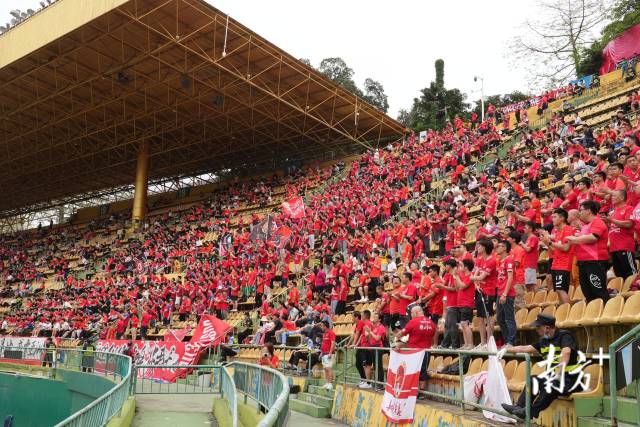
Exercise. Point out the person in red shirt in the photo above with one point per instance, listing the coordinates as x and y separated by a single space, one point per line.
420 331
383 305
363 357
431 294
560 252
451 336
374 335
147 317
327 350
484 277
294 294
591 252
466 301
530 262
517 254
404 295
505 313
622 245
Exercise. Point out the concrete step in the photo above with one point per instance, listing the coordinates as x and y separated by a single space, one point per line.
327 402
314 389
627 409
308 408
600 422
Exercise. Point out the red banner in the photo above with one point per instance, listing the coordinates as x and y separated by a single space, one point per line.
625 46
176 335
294 207
401 391
210 332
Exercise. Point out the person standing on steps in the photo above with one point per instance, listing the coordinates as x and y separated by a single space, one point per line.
327 352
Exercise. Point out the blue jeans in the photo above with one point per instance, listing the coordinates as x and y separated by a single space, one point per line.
507 320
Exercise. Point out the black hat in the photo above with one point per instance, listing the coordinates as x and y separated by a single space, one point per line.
544 320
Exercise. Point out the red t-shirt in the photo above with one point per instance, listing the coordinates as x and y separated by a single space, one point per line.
562 261
327 339
517 254
452 296
487 265
379 330
407 290
435 304
505 266
596 251
621 239
531 257
421 331
466 296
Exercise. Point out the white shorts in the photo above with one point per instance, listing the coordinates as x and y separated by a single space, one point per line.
327 361
530 277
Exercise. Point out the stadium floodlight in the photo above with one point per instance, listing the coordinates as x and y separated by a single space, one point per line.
49 1
43 4
31 11
475 79
15 13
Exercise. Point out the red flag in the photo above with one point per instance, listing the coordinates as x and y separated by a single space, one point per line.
177 335
399 400
294 207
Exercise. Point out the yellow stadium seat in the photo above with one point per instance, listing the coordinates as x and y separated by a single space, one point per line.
517 383
538 299
510 368
521 317
549 310
575 314
626 286
615 284
434 363
577 294
551 299
531 317
474 366
592 313
528 297
485 365
595 388
631 311
612 310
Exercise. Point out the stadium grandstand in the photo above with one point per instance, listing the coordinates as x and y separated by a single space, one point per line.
192 214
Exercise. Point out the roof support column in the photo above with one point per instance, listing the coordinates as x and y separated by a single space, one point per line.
142 179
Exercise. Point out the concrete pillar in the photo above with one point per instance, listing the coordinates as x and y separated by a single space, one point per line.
142 179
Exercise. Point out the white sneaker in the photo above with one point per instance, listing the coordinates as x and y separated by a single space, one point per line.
365 385
480 347
327 386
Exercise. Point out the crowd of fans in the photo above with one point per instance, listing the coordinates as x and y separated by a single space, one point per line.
353 236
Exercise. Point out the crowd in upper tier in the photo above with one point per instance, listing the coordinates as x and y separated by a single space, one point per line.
352 236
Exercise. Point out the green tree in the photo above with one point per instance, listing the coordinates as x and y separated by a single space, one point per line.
337 70
550 44
374 95
436 104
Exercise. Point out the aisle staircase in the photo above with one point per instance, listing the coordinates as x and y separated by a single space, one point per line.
316 401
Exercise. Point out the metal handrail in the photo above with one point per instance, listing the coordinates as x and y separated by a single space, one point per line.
105 407
613 388
460 398
228 392
278 408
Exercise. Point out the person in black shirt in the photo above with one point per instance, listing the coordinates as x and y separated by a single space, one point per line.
565 363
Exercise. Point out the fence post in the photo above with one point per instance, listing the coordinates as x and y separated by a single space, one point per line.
259 391
527 389
461 374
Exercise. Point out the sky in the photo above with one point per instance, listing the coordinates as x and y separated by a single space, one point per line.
393 42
